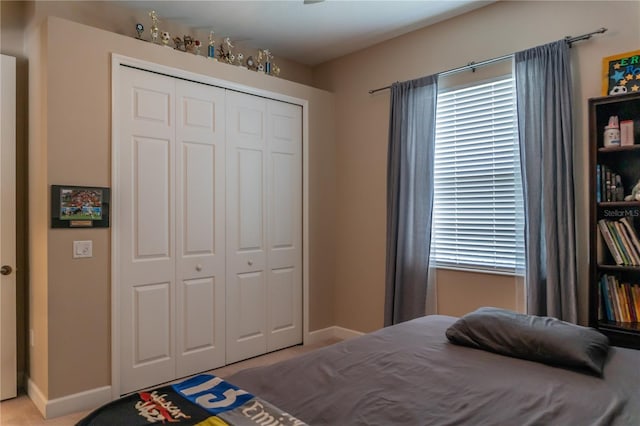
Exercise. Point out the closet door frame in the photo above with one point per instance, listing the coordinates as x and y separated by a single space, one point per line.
117 61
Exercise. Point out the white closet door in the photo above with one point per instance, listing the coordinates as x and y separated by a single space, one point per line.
284 290
145 211
264 225
200 228
246 226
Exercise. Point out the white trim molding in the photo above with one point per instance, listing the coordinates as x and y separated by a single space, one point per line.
57 407
333 332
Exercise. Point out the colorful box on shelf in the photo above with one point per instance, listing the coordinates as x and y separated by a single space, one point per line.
626 133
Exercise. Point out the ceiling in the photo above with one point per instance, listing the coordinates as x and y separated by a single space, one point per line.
308 32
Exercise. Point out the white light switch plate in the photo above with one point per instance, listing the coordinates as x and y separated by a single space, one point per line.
82 249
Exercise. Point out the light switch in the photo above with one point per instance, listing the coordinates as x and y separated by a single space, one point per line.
82 249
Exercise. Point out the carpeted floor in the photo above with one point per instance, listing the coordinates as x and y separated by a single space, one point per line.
21 411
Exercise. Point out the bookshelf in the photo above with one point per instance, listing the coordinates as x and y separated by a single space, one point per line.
614 220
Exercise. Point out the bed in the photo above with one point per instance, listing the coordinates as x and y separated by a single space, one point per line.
412 374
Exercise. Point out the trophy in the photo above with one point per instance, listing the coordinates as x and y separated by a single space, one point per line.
154 26
251 63
226 53
188 43
267 61
139 30
166 38
240 58
211 51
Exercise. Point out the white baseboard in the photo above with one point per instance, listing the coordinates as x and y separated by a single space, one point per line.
57 407
331 332
37 397
346 333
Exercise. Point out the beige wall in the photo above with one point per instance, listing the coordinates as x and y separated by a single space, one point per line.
71 144
361 128
115 17
460 292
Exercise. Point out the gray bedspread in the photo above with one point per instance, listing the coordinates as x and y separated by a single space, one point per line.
410 374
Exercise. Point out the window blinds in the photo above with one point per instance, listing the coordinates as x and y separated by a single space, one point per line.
477 216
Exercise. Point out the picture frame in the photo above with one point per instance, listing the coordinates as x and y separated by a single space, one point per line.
79 206
617 68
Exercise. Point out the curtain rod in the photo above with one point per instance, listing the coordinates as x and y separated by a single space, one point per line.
474 65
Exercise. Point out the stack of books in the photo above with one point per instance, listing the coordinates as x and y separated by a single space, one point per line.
620 302
622 241
609 185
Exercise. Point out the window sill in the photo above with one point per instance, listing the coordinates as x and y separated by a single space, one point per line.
480 271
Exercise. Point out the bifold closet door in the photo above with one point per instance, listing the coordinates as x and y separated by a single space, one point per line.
170 207
284 236
264 181
200 228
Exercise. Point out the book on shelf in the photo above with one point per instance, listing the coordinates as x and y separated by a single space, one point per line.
636 297
632 233
608 185
613 287
622 241
625 242
607 302
625 303
617 240
620 302
633 315
628 234
618 189
598 186
608 239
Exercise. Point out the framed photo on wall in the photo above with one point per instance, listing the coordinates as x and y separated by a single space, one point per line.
621 73
79 206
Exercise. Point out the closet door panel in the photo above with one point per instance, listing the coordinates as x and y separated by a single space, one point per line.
152 324
285 225
249 184
200 227
251 303
151 192
198 304
246 226
282 295
145 211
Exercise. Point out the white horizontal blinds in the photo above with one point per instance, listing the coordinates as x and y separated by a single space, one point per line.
477 214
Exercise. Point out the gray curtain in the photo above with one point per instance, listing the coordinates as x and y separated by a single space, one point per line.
409 197
543 87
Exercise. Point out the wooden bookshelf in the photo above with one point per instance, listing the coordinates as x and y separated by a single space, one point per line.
607 202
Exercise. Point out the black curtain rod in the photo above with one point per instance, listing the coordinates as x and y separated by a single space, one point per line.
474 65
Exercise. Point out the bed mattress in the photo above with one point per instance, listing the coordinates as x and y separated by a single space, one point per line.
410 374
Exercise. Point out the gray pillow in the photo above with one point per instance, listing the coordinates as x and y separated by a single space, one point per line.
542 339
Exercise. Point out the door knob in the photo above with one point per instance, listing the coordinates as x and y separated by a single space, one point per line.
6 270
198 267
250 262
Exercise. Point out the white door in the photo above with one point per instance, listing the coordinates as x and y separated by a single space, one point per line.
246 226
200 227
264 225
171 206
8 372
284 232
145 200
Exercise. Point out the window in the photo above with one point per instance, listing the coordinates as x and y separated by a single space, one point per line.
477 212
